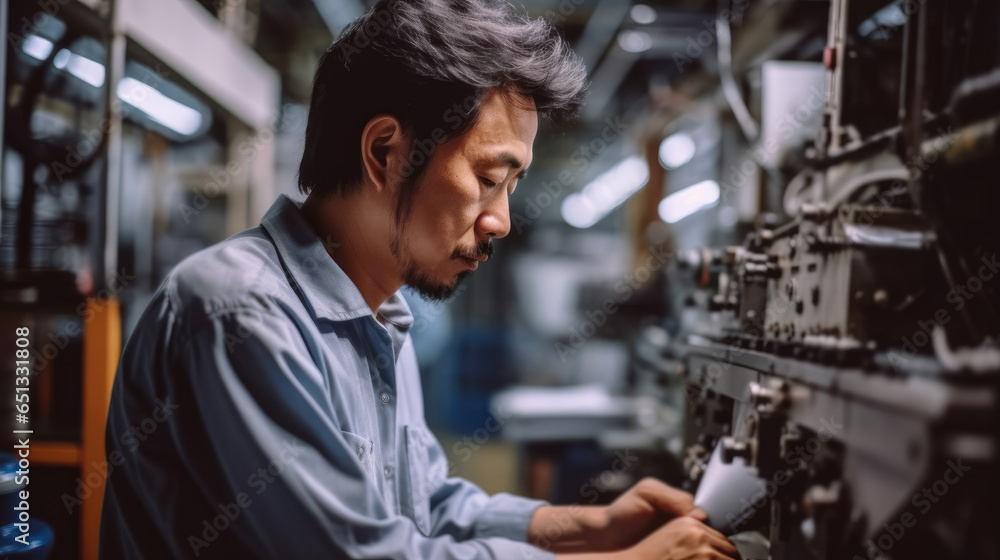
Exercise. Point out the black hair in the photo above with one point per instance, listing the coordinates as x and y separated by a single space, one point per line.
428 63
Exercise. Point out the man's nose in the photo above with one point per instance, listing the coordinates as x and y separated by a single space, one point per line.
495 219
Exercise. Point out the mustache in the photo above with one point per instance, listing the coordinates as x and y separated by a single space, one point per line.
484 249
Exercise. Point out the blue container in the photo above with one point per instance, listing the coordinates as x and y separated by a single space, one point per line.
8 489
39 546
41 538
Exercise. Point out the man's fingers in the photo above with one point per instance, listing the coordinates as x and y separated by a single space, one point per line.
698 514
719 540
666 498
721 556
723 545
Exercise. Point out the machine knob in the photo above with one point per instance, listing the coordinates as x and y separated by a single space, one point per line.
732 448
773 396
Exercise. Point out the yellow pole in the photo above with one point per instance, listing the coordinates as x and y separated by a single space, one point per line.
101 349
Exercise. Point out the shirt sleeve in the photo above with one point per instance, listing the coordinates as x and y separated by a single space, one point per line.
463 510
267 437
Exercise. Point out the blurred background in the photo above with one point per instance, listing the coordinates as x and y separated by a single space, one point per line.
137 132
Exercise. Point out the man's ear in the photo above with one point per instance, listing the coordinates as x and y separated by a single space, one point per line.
383 151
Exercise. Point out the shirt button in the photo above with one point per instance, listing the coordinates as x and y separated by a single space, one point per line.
385 398
387 471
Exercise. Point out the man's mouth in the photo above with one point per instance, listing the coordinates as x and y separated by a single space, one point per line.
481 253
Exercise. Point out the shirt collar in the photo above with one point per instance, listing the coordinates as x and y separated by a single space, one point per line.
324 286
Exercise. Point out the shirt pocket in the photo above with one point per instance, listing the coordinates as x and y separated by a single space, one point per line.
426 471
364 450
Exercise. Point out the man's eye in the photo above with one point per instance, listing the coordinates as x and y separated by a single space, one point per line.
487 182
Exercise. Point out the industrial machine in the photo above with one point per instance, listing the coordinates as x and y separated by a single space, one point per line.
841 366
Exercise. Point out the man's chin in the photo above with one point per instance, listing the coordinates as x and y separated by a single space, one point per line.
432 289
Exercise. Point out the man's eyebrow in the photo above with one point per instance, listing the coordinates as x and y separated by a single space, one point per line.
512 161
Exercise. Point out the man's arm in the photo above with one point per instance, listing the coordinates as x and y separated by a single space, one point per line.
463 510
570 529
252 398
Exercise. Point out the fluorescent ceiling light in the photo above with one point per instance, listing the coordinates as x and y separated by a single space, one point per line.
643 14
605 193
160 108
681 204
36 47
80 66
676 150
578 212
634 41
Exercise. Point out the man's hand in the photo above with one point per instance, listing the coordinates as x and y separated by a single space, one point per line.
629 519
684 538
644 508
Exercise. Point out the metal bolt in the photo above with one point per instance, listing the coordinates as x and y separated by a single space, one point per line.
881 297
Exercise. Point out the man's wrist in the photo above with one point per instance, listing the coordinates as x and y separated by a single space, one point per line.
616 555
570 528
595 521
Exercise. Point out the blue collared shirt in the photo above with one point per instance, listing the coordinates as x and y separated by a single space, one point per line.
261 410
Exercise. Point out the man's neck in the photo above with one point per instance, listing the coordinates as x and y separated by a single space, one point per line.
341 223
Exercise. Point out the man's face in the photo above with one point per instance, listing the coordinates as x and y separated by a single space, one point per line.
461 200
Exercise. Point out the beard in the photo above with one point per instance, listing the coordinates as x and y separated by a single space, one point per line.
422 281
427 287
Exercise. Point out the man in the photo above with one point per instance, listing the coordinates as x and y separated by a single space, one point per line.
296 427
